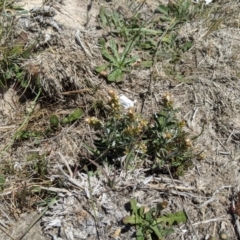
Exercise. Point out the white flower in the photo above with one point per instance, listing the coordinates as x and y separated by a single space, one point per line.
126 102
206 1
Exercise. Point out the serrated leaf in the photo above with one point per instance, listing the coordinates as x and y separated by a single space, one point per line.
173 218
105 52
108 56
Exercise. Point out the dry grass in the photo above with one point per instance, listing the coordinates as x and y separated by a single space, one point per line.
205 85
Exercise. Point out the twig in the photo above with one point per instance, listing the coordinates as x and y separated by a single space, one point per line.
66 163
69 179
76 91
6 233
81 44
210 220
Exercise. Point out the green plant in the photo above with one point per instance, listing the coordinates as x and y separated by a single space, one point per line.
155 36
175 12
150 223
126 133
119 63
13 49
72 117
167 142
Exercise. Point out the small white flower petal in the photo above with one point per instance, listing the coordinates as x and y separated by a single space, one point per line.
126 102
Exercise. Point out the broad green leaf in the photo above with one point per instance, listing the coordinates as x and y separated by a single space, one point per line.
173 218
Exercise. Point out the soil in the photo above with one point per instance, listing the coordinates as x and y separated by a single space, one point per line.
207 98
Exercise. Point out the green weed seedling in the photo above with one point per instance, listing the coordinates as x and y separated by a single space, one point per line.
72 117
150 224
119 63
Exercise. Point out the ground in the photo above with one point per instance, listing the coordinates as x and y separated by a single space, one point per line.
204 85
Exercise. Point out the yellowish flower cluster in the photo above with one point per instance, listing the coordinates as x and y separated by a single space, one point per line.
113 101
142 147
168 100
136 128
94 122
188 143
167 135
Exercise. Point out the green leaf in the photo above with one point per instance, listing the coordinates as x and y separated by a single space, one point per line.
146 64
54 121
139 234
187 46
103 18
116 19
116 75
133 219
173 218
73 116
157 230
129 46
105 52
162 9
101 68
113 47
2 181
